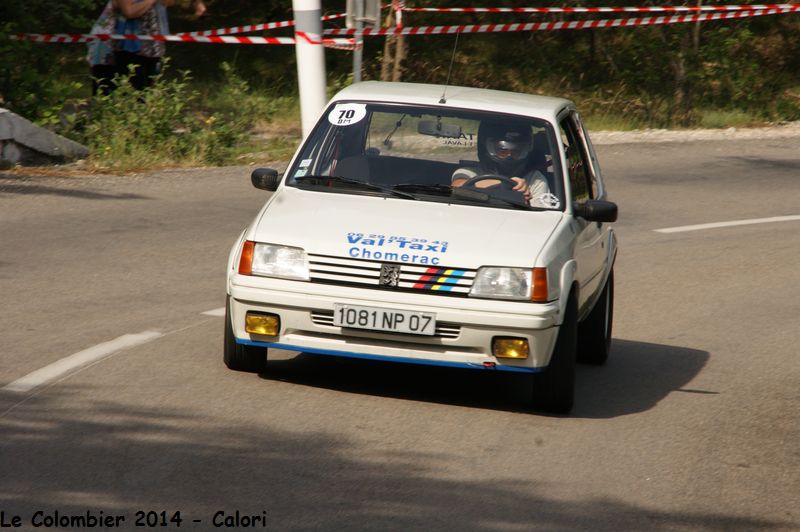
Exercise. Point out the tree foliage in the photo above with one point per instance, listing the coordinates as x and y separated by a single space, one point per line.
657 76
27 70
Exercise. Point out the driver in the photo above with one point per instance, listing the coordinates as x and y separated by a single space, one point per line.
505 150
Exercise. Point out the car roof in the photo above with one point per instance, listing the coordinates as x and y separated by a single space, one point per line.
456 97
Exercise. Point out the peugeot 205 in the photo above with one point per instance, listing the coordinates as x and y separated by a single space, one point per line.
448 226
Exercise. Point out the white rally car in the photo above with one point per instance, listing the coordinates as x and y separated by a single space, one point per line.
446 226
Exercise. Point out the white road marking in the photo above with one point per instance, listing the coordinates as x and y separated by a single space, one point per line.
82 358
216 312
752 221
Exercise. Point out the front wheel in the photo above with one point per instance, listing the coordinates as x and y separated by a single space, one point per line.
554 388
240 357
594 333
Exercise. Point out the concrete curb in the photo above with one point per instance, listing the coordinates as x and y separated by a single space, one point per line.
783 131
23 142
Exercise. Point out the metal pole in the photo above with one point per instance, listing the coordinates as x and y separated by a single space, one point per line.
357 52
311 77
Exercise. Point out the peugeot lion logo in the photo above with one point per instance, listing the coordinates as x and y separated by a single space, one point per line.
390 275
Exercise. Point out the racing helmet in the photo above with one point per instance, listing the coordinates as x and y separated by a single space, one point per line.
504 147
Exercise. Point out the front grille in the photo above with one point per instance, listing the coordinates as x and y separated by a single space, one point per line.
404 277
443 330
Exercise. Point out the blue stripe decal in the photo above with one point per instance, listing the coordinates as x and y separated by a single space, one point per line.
450 280
380 358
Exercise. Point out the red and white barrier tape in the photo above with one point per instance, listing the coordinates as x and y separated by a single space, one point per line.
341 43
337 44
254 27
349 44
572 25
240 29
642 9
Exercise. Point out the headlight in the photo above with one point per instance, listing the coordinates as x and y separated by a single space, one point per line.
502 283
270 260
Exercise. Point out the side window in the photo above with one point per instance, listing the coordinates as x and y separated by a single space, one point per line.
591 168
577 165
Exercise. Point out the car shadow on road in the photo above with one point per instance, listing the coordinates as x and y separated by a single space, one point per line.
765 163
12 185
636 377
66 451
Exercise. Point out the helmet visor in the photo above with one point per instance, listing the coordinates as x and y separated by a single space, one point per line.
507 150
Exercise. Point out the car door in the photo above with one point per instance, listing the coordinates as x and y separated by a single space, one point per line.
584 183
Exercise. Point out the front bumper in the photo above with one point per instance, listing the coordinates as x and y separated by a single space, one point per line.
465 326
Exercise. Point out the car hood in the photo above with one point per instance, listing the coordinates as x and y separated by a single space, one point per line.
402 230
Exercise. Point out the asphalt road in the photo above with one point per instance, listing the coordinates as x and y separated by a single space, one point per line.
694 423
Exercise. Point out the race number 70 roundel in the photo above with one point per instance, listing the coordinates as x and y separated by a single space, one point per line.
345 114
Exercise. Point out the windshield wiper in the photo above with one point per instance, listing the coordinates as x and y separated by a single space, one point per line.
356 183
483 197
519 205
444 190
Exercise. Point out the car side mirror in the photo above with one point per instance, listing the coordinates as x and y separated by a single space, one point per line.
596 210
265 179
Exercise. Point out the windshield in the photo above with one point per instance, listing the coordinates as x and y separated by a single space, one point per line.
432 154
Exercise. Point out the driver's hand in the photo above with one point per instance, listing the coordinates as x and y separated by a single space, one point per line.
522 186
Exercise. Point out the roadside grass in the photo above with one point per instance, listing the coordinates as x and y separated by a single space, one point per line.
180 123
275 138
703 119
723 119
609 122
183 123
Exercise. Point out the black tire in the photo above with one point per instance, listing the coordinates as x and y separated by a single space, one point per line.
554 388
242 357
594 333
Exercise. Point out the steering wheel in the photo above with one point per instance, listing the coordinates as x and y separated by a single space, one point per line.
504 192
505 182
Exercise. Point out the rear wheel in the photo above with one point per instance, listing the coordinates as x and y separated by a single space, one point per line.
554 388
240 357
594 333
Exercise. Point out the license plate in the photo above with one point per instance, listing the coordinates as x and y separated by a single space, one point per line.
384 319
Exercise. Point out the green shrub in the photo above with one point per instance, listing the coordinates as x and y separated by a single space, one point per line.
128 128
233 111
167 124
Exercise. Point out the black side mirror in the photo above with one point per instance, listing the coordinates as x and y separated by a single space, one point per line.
265 179
596 210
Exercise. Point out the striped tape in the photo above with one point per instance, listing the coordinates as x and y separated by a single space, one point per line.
349 44
640 9
553 26
254 27
214 39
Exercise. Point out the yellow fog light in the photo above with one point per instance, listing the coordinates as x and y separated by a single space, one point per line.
266 324
510 348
